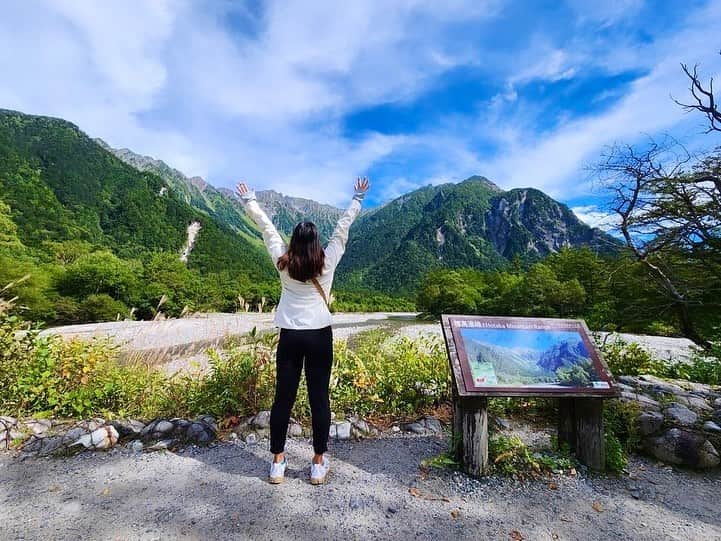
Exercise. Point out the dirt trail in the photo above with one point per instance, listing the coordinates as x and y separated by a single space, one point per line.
221 493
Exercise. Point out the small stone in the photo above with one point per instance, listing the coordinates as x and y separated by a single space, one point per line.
710 426
716 403
392 509
232 436
206 419
162 445
361 426
333 431
355 502
395 428
680 414
163 427
295 430
649 422
262 420
503 424
251 439
136 446
343 430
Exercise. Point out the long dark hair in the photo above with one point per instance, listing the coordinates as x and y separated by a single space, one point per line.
305 257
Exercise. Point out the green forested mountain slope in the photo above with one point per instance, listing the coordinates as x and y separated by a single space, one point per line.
470 224
61 185
285 211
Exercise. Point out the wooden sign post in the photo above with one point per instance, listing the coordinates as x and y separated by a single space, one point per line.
526 357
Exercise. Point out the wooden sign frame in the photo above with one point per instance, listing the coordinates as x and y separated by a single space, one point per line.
580 408
461 368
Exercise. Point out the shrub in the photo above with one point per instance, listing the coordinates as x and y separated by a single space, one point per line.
631 360
102 307
510 456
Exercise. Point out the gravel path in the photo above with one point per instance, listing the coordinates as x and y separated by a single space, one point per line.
221 493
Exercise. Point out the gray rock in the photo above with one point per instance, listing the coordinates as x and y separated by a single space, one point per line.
652 383
717 403
434 425
127 427
163 427
710 426
355 502
649 422
4 440
251 439
12 421
73 435
416 428
695 402
162 445
38 426
717 416
50 445
262 420
295 430
361 426
679 414
644 402
501 423
199 433
343 430
101 438
136 446
208 420
683 447
333 431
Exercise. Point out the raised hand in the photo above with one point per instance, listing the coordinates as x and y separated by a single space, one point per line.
241 189
361 185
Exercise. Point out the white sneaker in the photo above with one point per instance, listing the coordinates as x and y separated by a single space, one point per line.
318 472
277 472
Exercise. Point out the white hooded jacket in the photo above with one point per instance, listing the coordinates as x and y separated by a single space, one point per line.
301 305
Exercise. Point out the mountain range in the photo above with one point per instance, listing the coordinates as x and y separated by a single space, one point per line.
132 203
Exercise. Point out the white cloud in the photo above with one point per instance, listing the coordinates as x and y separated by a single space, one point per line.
596 217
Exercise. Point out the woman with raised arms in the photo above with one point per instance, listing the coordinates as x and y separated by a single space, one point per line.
306 272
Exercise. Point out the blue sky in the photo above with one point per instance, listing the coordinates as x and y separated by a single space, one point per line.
303 96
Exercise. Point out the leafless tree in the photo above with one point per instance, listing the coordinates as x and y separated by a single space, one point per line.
704 98
670 219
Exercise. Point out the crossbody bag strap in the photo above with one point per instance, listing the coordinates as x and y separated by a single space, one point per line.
317 285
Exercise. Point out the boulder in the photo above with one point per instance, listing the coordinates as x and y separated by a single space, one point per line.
295 430
680 415
649 422
695 402
683 447
416 428
710 426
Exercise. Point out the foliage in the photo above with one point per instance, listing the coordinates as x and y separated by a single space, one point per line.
379 374
510 456
621 432
625 359
616 457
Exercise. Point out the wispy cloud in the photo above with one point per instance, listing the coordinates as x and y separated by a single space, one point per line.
262 91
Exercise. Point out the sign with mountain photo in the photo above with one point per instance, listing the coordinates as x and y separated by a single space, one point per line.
524 357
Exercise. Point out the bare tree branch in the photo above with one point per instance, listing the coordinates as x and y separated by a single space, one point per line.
705 101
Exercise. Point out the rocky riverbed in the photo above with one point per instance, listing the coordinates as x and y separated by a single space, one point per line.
376 490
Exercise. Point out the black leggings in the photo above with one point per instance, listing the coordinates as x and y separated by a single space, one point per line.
315 347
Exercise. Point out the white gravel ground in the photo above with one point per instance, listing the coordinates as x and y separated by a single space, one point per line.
221 493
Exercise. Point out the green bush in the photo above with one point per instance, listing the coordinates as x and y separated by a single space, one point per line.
102 307
510 456
631 360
